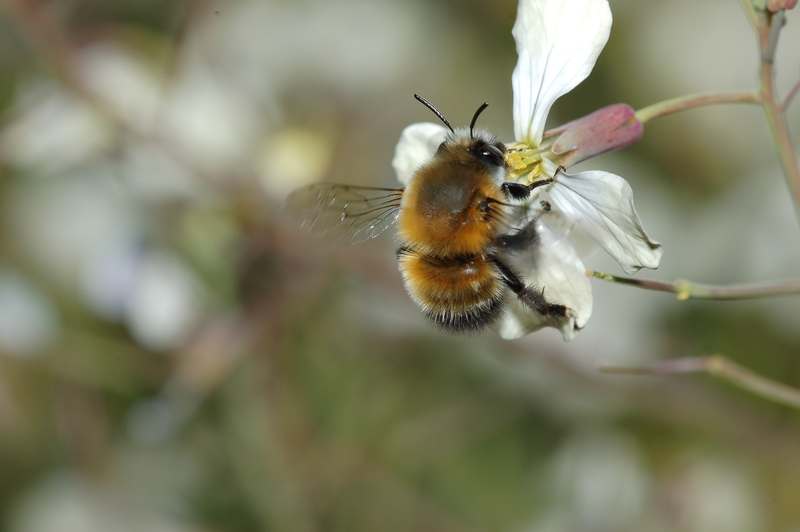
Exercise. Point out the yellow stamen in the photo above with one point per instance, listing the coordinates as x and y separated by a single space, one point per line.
525 162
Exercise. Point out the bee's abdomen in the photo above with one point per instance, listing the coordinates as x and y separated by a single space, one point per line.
459 293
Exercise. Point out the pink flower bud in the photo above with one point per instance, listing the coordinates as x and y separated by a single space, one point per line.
780 5
609 128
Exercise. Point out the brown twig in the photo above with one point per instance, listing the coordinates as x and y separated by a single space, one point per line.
768 27
684 290
787 101
720 367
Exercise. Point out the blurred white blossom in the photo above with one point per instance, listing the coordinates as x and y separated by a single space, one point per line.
714 495
50 130
600 482
28 321
66 503
164 304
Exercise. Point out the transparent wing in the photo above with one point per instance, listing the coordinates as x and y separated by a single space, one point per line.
514 217
345 211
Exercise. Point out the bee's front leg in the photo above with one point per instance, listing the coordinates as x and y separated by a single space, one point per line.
519 240
518 191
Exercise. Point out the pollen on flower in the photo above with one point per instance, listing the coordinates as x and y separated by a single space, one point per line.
524 162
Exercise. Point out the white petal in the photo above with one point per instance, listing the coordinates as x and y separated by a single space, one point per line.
601 204
558 42
417 146
552 266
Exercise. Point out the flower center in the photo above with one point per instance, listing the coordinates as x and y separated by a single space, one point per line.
527 163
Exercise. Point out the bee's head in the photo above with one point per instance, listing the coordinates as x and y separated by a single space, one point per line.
488 151
484 146
479 144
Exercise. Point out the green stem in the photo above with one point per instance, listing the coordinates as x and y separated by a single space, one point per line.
691 101
750 11
685 290
720 367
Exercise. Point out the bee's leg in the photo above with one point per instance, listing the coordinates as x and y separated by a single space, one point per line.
520 240
518 191
403 250
531 297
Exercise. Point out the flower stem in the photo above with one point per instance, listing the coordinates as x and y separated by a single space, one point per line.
790 96
720 367
768 29
750 11
685 290
691 101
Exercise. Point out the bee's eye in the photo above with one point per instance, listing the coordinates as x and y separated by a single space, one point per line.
490 154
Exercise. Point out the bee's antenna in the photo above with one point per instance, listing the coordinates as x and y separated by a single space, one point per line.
435 111
478 112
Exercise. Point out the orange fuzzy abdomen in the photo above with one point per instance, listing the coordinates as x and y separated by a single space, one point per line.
458 293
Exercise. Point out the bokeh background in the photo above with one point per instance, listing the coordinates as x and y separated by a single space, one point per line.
176 357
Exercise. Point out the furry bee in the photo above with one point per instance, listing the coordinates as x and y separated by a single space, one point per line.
451 226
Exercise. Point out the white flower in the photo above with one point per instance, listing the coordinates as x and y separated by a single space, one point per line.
558 42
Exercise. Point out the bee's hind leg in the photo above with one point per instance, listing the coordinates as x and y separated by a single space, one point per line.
530 296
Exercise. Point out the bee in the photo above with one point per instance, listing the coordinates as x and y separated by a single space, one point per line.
452 227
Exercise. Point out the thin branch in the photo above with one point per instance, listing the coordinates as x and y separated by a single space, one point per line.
780 132
750 11
722 368
685 290
790 96
767 28
691 101
776 24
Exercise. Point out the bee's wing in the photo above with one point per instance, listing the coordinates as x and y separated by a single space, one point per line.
346 211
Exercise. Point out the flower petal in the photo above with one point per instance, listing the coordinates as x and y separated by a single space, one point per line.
554 267
417 145
601 204
558 42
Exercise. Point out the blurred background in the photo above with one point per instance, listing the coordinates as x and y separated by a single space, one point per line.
176 357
